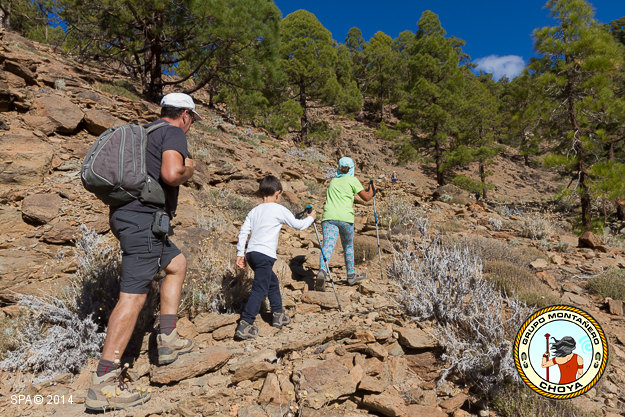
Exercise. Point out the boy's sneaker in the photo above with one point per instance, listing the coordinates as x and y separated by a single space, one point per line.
320 281
353 279
171 346
245 331
111 392
280 319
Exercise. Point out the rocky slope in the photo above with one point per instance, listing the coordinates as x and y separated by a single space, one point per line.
369 359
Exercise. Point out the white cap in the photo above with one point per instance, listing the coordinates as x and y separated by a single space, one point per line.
180 100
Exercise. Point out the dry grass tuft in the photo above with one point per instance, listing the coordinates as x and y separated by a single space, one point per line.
610 283
364 250
520 401
215 284
515 280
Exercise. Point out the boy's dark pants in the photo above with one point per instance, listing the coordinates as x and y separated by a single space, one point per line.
265 284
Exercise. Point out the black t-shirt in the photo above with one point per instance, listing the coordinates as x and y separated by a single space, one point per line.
163 139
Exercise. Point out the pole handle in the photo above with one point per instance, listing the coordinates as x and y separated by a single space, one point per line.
304 212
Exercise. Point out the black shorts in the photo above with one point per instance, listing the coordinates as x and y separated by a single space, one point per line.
141 250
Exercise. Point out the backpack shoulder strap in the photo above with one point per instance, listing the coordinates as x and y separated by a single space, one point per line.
156 126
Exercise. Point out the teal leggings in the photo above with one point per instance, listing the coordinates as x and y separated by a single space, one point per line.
332 229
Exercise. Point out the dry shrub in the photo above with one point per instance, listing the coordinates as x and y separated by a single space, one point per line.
610 283
215 284
537 228
399 214
364 250
451 226
517 400
9 332
520 282
53 340
495 250
475 323
228 201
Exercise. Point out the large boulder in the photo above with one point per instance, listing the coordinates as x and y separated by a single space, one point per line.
590 240
6 97
41 208
325 380
24 160
254 367
190 365
97 121
62 111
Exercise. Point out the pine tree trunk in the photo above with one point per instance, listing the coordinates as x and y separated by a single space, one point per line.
152 71
483 179
620 210
578 147
5 15
438 158
304 118
611 156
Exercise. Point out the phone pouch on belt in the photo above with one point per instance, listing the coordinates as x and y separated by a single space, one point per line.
160 225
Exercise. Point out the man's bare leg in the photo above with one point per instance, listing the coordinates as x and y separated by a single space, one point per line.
121 324
171 288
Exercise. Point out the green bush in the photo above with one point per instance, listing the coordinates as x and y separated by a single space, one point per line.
322 132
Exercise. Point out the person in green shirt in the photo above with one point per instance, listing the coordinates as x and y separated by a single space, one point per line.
338 220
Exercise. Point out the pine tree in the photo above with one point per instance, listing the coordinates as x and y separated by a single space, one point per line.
381 77
308 58
433 90
211 42
577 60
524 106
479 126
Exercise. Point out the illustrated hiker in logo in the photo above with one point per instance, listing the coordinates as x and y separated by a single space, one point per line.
141 224
338 220
571 365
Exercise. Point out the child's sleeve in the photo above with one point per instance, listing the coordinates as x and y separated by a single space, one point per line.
246 228
286 217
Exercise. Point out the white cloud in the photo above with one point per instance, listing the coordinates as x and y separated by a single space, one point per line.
509 65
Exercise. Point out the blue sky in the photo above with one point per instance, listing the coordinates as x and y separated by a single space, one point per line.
497 33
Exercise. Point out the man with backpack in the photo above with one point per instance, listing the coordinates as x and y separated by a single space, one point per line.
142 228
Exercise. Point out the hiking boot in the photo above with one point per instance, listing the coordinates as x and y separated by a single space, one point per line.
320 281
353 279
245 331
171 346
111 392
280 319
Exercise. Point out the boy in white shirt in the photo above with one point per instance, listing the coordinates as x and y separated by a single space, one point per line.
264 222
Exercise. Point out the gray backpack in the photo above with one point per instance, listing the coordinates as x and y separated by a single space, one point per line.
115 169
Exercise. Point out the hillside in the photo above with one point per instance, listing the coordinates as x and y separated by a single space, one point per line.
370 359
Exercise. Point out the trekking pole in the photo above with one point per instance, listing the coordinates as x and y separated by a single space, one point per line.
325 261
377 233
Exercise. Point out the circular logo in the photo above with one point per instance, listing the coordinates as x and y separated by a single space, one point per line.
560 352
